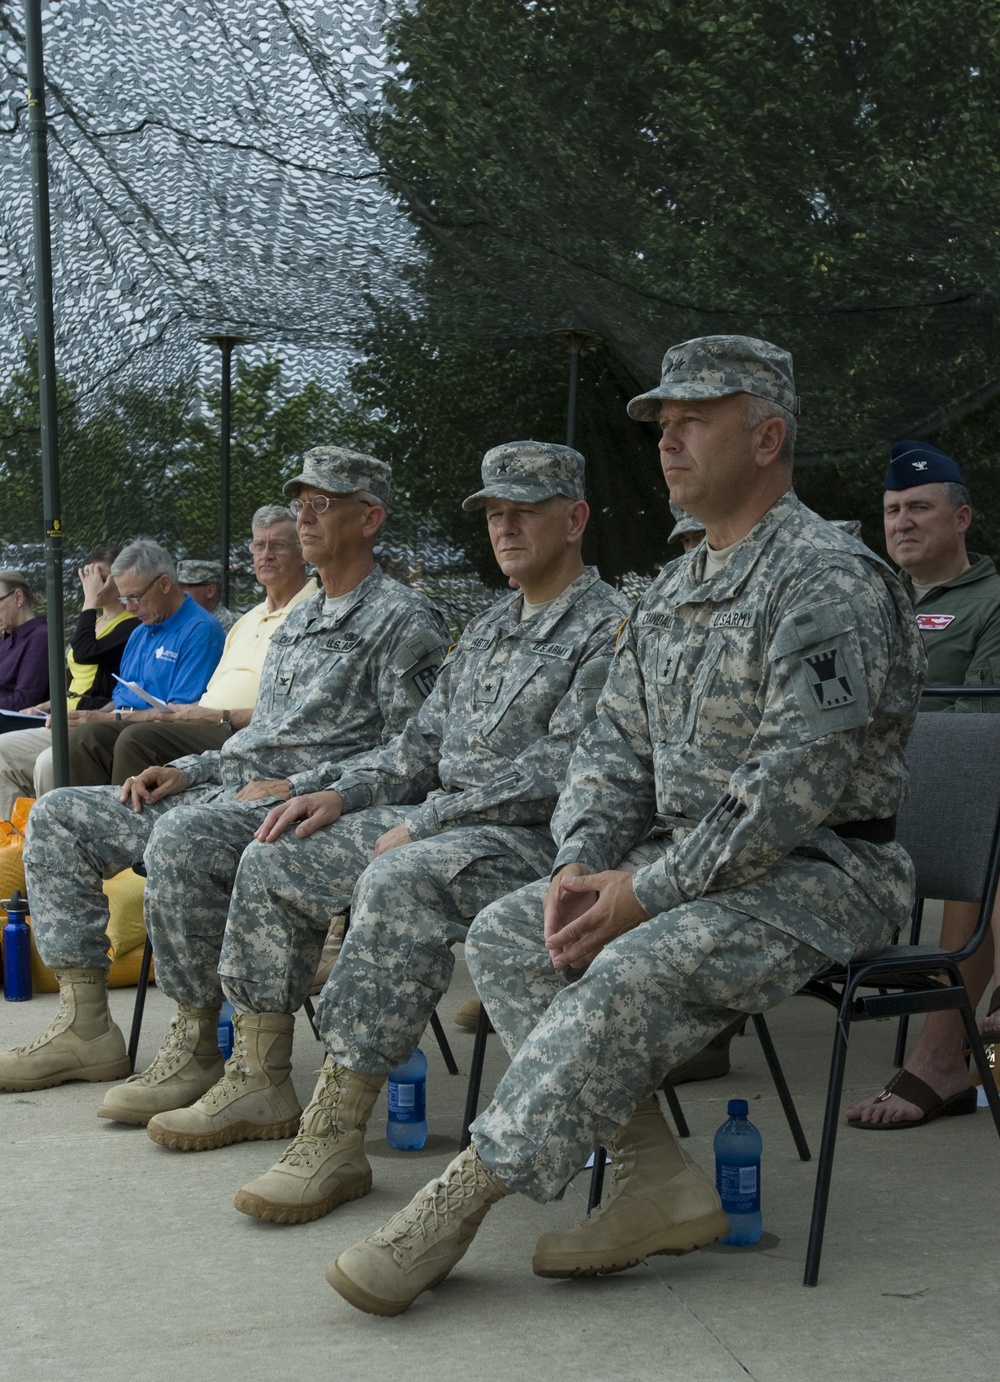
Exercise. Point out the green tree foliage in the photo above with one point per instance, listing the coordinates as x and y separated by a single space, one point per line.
146 461
823 173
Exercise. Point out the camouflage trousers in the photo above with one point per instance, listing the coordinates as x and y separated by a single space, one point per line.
587 1048
192 842
285 895
409 908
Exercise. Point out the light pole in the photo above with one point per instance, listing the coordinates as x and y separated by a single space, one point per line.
226 344
575 339
51 500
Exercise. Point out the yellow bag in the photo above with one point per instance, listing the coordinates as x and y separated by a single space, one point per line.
126 928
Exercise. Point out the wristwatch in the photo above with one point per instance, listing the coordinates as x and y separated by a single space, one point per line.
227 720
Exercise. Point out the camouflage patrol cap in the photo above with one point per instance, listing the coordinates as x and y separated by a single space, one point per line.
529 471
716 366
198 573
338 471
684 523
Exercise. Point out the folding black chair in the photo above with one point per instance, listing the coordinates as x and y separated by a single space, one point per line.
951 828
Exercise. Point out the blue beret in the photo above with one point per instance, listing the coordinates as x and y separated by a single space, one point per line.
918 463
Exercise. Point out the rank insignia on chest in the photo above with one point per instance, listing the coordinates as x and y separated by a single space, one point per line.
829 684
933 623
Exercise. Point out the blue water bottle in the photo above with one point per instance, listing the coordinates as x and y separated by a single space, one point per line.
16 950
406 1126
224 1035
737 1174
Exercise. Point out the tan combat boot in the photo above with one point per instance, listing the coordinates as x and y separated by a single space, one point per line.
418 1247
186 1066
80 1043
659 1201
253 1101
326 1164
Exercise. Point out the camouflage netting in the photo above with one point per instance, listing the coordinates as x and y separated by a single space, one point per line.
206 176
424 195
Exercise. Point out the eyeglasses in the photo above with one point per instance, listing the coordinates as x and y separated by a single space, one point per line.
259 546
8 595
134 599
319 503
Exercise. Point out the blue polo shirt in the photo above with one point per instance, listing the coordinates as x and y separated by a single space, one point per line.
173 659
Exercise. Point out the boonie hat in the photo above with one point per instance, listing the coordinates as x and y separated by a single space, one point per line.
529 471
340 471
914 463
716 366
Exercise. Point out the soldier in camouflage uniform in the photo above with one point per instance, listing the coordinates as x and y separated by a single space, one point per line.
492 742
344 672
725 830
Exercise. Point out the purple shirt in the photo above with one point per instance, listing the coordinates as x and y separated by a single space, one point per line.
24 665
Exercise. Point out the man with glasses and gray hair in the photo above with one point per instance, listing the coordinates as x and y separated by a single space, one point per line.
343 673
106 750
173 653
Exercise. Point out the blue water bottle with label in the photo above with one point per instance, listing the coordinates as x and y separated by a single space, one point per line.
406 1126
16 950
738 1149
224 1035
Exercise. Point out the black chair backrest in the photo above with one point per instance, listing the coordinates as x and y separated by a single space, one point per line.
949 824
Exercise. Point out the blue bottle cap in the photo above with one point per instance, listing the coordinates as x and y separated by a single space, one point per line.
738 1108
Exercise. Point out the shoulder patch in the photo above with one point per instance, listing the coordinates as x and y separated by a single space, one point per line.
828 679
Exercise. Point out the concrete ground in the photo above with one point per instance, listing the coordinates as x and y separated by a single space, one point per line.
122 1259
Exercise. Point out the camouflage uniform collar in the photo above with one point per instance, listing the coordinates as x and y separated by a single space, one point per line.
543 624
733 576
355 597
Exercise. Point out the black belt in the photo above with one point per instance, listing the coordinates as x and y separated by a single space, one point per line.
881 832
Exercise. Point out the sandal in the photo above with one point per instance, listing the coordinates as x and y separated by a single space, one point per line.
916 1091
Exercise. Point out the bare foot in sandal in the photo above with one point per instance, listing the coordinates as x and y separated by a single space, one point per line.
940 1080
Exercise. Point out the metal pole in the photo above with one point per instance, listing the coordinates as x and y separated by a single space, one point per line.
574 376
51 502
226 347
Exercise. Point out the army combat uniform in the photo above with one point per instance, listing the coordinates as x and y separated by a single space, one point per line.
485 757
332 683
744 765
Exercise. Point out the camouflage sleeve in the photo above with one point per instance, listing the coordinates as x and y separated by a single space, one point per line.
525 791
983 670
826 666
200 769
609 797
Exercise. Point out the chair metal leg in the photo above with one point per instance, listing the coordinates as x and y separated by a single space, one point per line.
903 1026
475 1076
442 1042
140 1003
982 1065
311 1014
674 1104
781 1085
831 1121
